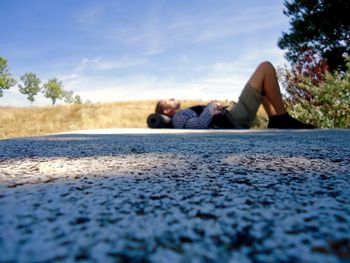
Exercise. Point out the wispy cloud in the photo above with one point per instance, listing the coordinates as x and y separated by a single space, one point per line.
226 29
219 80
101 64
220 26
149 34
159 34
90 16
121 50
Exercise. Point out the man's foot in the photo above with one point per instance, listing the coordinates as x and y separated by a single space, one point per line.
285 121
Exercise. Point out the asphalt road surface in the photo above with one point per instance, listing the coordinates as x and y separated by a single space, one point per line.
191 196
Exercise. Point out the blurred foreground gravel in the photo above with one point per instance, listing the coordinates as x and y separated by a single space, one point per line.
253 196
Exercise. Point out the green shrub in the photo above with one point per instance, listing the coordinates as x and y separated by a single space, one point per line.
325 104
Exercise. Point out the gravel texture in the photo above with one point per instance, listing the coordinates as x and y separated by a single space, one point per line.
253 196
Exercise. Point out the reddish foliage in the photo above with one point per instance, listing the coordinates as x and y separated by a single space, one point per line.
310 66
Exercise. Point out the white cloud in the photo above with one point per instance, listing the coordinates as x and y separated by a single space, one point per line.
231 27
218 80
185 66
157 34
90 16
101 64
136 87
217 85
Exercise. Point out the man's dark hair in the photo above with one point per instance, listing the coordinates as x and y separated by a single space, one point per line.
160 107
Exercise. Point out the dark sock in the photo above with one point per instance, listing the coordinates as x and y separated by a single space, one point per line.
285 121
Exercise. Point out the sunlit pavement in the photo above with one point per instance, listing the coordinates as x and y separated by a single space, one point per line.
188 196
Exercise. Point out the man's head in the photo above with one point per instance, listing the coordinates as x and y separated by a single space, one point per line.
167 107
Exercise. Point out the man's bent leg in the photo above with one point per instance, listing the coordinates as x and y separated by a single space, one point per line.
264 80
243 114
270 110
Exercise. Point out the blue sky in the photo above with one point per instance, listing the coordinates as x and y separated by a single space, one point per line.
112 50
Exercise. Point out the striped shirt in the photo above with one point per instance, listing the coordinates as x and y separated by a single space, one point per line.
188 119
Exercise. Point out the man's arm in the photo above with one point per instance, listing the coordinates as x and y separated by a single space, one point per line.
188 119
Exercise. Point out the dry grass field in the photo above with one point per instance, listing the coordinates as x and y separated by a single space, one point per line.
29 121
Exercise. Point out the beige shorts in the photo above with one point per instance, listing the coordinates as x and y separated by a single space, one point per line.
243 113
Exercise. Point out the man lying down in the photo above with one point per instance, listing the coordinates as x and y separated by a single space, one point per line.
262 87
